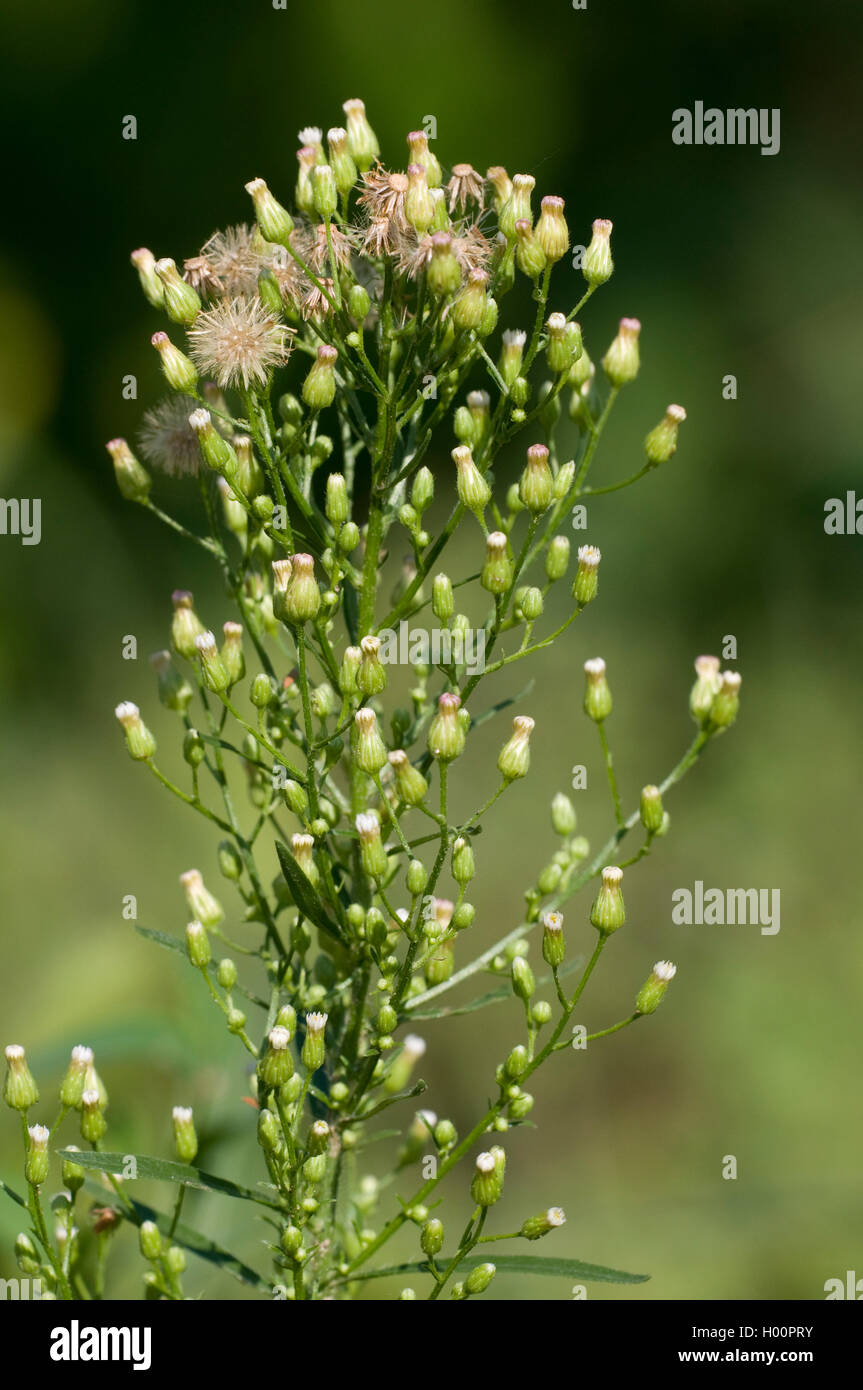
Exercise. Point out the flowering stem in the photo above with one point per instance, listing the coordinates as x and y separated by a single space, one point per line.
609 767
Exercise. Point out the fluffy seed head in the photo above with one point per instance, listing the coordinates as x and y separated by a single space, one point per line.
239 343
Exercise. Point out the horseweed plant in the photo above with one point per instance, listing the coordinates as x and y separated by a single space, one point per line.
383 287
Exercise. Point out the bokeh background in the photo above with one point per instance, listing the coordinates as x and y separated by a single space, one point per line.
735 263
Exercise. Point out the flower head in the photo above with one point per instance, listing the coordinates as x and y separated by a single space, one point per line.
167 440
239 343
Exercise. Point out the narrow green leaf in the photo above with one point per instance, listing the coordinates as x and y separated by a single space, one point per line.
173 943
501 705
495 996
10 1192
166 1170
303 893
190 1239
519 1264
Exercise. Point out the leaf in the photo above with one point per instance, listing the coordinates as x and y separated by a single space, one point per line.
173 943
191 1239
303 893
495 996
502 704
166 1170
10 1192
519 1264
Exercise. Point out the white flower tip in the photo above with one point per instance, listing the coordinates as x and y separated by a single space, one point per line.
595 666
555 1216
206 642
14 1053
279 1038
485 1163
552 921
90 1098
126 712
182 1114
82 1055
612 875
665 970
414 1046
731 682
39 1134
199 419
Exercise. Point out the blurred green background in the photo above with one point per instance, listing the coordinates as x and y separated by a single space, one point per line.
735 263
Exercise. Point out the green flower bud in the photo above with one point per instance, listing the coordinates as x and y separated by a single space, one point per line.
319 387
226 974
349 537
133 480
139 741
341 161
468 310
464 427
197 945
523 982
431 1237
145 263
150 1240
418 202
180 372
531 604
446 735
516 1063
422 491
445 1134
269 292
608 912
487 1184
181 302
541 1012
651 994
511 355
202 905
529 255
443 602
661 443
72 1173
362 141
564 343
194 751
651 809
552 232
536 1226
93 1122
319 1138
372 675
349 670
325 196
553 944
463 864
421 154
370 753
302 850
586 583
232 652
268 1131
621 362
536 483
175 693
175 1260
440 965
597 264
336 507
372 852
726 701
517 206
314 1045
497 572
186 626
387 1019
20 1090
74 1083
213 668
548 878
359 302
705 688
185 1138
514 758
411 785
563 817
557 558
274 221
302 597
443 272
216 452
416 880
479 1279
277 1065
597 695
472 488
